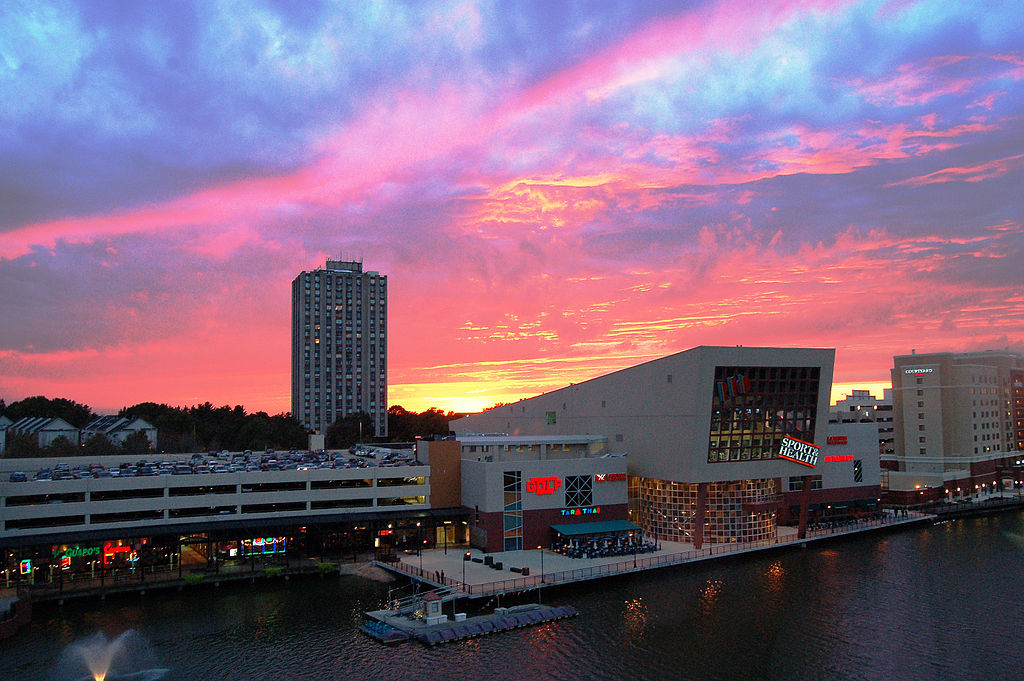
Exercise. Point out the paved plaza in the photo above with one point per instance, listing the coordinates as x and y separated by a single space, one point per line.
447 568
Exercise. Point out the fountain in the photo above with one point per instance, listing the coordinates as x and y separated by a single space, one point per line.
127 657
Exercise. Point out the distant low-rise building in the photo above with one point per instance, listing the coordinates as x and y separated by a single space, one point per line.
119 428
860 406
4 423
45 430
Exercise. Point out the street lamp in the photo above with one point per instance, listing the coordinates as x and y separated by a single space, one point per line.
465 559
419 546
541 574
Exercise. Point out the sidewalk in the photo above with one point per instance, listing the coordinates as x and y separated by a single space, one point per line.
471 578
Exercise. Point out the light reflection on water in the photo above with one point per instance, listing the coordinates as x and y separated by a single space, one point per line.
922 603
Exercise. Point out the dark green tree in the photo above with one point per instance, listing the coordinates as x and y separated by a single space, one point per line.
20 446
62 447
405 426
100 445
74 413
137 443
348 430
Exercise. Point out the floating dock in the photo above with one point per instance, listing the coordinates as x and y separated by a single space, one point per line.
388 626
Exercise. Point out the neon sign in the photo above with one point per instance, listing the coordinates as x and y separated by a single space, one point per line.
76 551
541 486
263 545
843 457
594 510
609 477
26 566
111 551
836 440
918 372
798 451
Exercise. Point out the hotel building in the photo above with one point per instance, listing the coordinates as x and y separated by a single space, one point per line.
959 424
339 346
705 431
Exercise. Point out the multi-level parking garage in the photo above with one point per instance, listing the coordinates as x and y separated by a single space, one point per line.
209 512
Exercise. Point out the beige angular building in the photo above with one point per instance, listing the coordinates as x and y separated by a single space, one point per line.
703 431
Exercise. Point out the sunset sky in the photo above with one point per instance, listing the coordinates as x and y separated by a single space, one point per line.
555 190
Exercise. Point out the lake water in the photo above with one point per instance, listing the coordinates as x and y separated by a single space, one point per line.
928 603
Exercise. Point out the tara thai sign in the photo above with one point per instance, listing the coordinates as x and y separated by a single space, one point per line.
593 510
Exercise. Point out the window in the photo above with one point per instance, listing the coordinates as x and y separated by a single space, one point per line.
797 484
858 470
754 408
513 510
579 491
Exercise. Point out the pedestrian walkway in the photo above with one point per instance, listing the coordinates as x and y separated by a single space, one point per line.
474 578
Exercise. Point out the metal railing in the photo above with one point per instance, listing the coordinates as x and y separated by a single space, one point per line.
645 563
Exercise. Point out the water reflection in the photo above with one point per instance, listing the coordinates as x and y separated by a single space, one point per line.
776 575
850 610
636 617
709 593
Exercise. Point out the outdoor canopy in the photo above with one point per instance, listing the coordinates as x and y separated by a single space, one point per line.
602 527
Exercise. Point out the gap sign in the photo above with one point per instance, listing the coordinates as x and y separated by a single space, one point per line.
803 453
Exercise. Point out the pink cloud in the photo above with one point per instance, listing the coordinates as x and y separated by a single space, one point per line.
975 173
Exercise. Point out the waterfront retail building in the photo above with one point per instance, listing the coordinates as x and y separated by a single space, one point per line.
722 443
516 489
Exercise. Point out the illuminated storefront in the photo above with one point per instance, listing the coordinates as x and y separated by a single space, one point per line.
516 489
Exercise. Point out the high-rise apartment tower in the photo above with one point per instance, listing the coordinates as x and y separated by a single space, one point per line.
339 345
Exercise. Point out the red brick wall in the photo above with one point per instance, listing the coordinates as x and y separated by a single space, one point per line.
537 525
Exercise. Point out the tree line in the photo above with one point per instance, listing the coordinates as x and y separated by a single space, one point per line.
205 427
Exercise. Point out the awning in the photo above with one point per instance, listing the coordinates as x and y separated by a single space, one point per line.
602 527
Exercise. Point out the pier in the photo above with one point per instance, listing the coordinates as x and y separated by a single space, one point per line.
468 574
